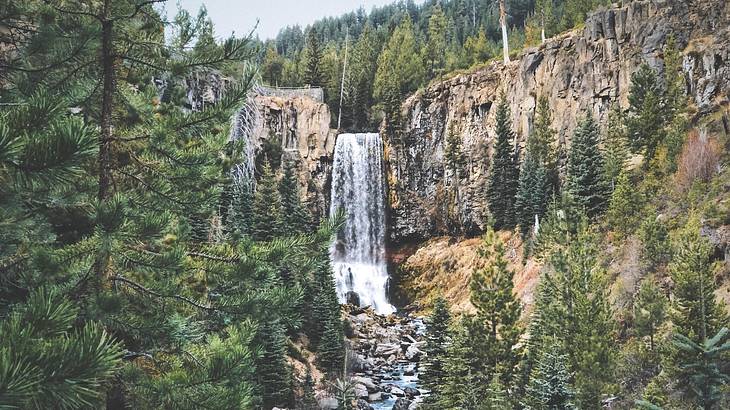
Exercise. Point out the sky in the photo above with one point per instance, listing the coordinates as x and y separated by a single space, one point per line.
240 15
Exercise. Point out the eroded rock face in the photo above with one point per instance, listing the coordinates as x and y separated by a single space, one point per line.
296 121
581 71
300 125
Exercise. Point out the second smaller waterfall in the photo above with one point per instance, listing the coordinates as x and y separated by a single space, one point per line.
358 188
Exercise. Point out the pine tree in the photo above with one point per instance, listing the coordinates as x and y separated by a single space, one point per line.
272 67
531 201
477 49
704 371
456 164
295 218
497 396
647 117
436 44
624 208
504 177
550 382
676 102
273 370
615 149
498 311
695 312
327 332
654 237
575 306
362 74
650 307
460 389
309 400
266 206
47 362
313 74
586 181
437 338
399 62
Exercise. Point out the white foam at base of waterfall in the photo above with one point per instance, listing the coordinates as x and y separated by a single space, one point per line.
369 281
358 189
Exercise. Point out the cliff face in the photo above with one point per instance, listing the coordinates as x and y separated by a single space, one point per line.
300 126
583 70
292 121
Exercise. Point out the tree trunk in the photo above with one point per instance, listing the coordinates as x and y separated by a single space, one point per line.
107 107
106 137
503 23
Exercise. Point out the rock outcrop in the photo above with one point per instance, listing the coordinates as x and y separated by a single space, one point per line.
295 122
300 126
584 70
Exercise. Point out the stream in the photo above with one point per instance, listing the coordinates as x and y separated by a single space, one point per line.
387 354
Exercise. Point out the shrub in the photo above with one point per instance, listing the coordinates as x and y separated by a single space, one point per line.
699 160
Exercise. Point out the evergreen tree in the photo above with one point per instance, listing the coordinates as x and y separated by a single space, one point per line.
47 362
504 177
497 396
437 338
362 74
624 208
477 49
309 400
327 334
695 312
272 67
531 201
313 60
273 370
654 237
456 164
704 370
575 306
650 307
399 62
615 149
498 311
586 181
436 44
461 389
295 218
647 116
676 101
550 382
266 206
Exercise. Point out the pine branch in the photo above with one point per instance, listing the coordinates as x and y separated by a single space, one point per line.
140 288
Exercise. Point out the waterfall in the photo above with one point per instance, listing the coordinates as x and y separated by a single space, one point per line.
358 188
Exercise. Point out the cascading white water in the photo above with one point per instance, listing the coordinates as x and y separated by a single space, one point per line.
358 188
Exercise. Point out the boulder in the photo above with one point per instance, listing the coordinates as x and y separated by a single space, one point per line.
375 397
402 404
367 382
352 298
411 392
396 391
386 349
414 406
361 392
363 405
328 403
413 353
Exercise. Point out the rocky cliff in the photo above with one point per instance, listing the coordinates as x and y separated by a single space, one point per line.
299 125
582 70
291 122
